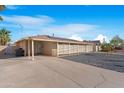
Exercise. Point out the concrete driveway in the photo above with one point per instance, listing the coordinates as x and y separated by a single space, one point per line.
53 72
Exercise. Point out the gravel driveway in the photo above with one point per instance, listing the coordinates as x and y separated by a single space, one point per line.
108 61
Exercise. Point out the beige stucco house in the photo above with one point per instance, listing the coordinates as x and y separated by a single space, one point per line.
52 46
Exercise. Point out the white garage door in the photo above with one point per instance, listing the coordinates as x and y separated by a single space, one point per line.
73 48
63 49
89 48
82 48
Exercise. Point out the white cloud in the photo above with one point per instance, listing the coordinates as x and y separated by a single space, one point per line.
69 29
101 37
76 37
11 7
28 20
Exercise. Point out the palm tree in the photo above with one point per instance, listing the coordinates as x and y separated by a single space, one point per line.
4 36
2 7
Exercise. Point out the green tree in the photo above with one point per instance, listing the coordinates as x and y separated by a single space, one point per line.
4 36
116 41
107 47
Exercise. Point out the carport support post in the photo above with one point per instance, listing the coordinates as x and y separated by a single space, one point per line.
29 48
32 43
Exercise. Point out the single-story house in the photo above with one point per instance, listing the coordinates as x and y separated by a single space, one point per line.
52 46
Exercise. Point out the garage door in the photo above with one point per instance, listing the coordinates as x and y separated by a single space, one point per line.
89 48
63 49
73 48
82 48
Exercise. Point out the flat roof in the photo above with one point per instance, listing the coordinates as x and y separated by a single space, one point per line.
53 39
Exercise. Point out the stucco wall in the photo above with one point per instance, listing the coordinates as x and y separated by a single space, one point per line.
50 48
38 47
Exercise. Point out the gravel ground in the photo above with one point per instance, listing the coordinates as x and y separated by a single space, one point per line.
108 61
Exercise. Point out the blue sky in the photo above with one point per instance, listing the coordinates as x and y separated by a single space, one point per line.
76 22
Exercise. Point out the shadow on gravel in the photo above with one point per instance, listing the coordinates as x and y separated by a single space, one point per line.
103 60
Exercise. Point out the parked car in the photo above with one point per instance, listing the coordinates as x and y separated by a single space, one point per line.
19 52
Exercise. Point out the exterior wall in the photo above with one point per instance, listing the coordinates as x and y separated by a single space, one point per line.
50 48
38 47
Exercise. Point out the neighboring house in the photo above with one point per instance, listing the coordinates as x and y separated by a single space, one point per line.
97 45
52 46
